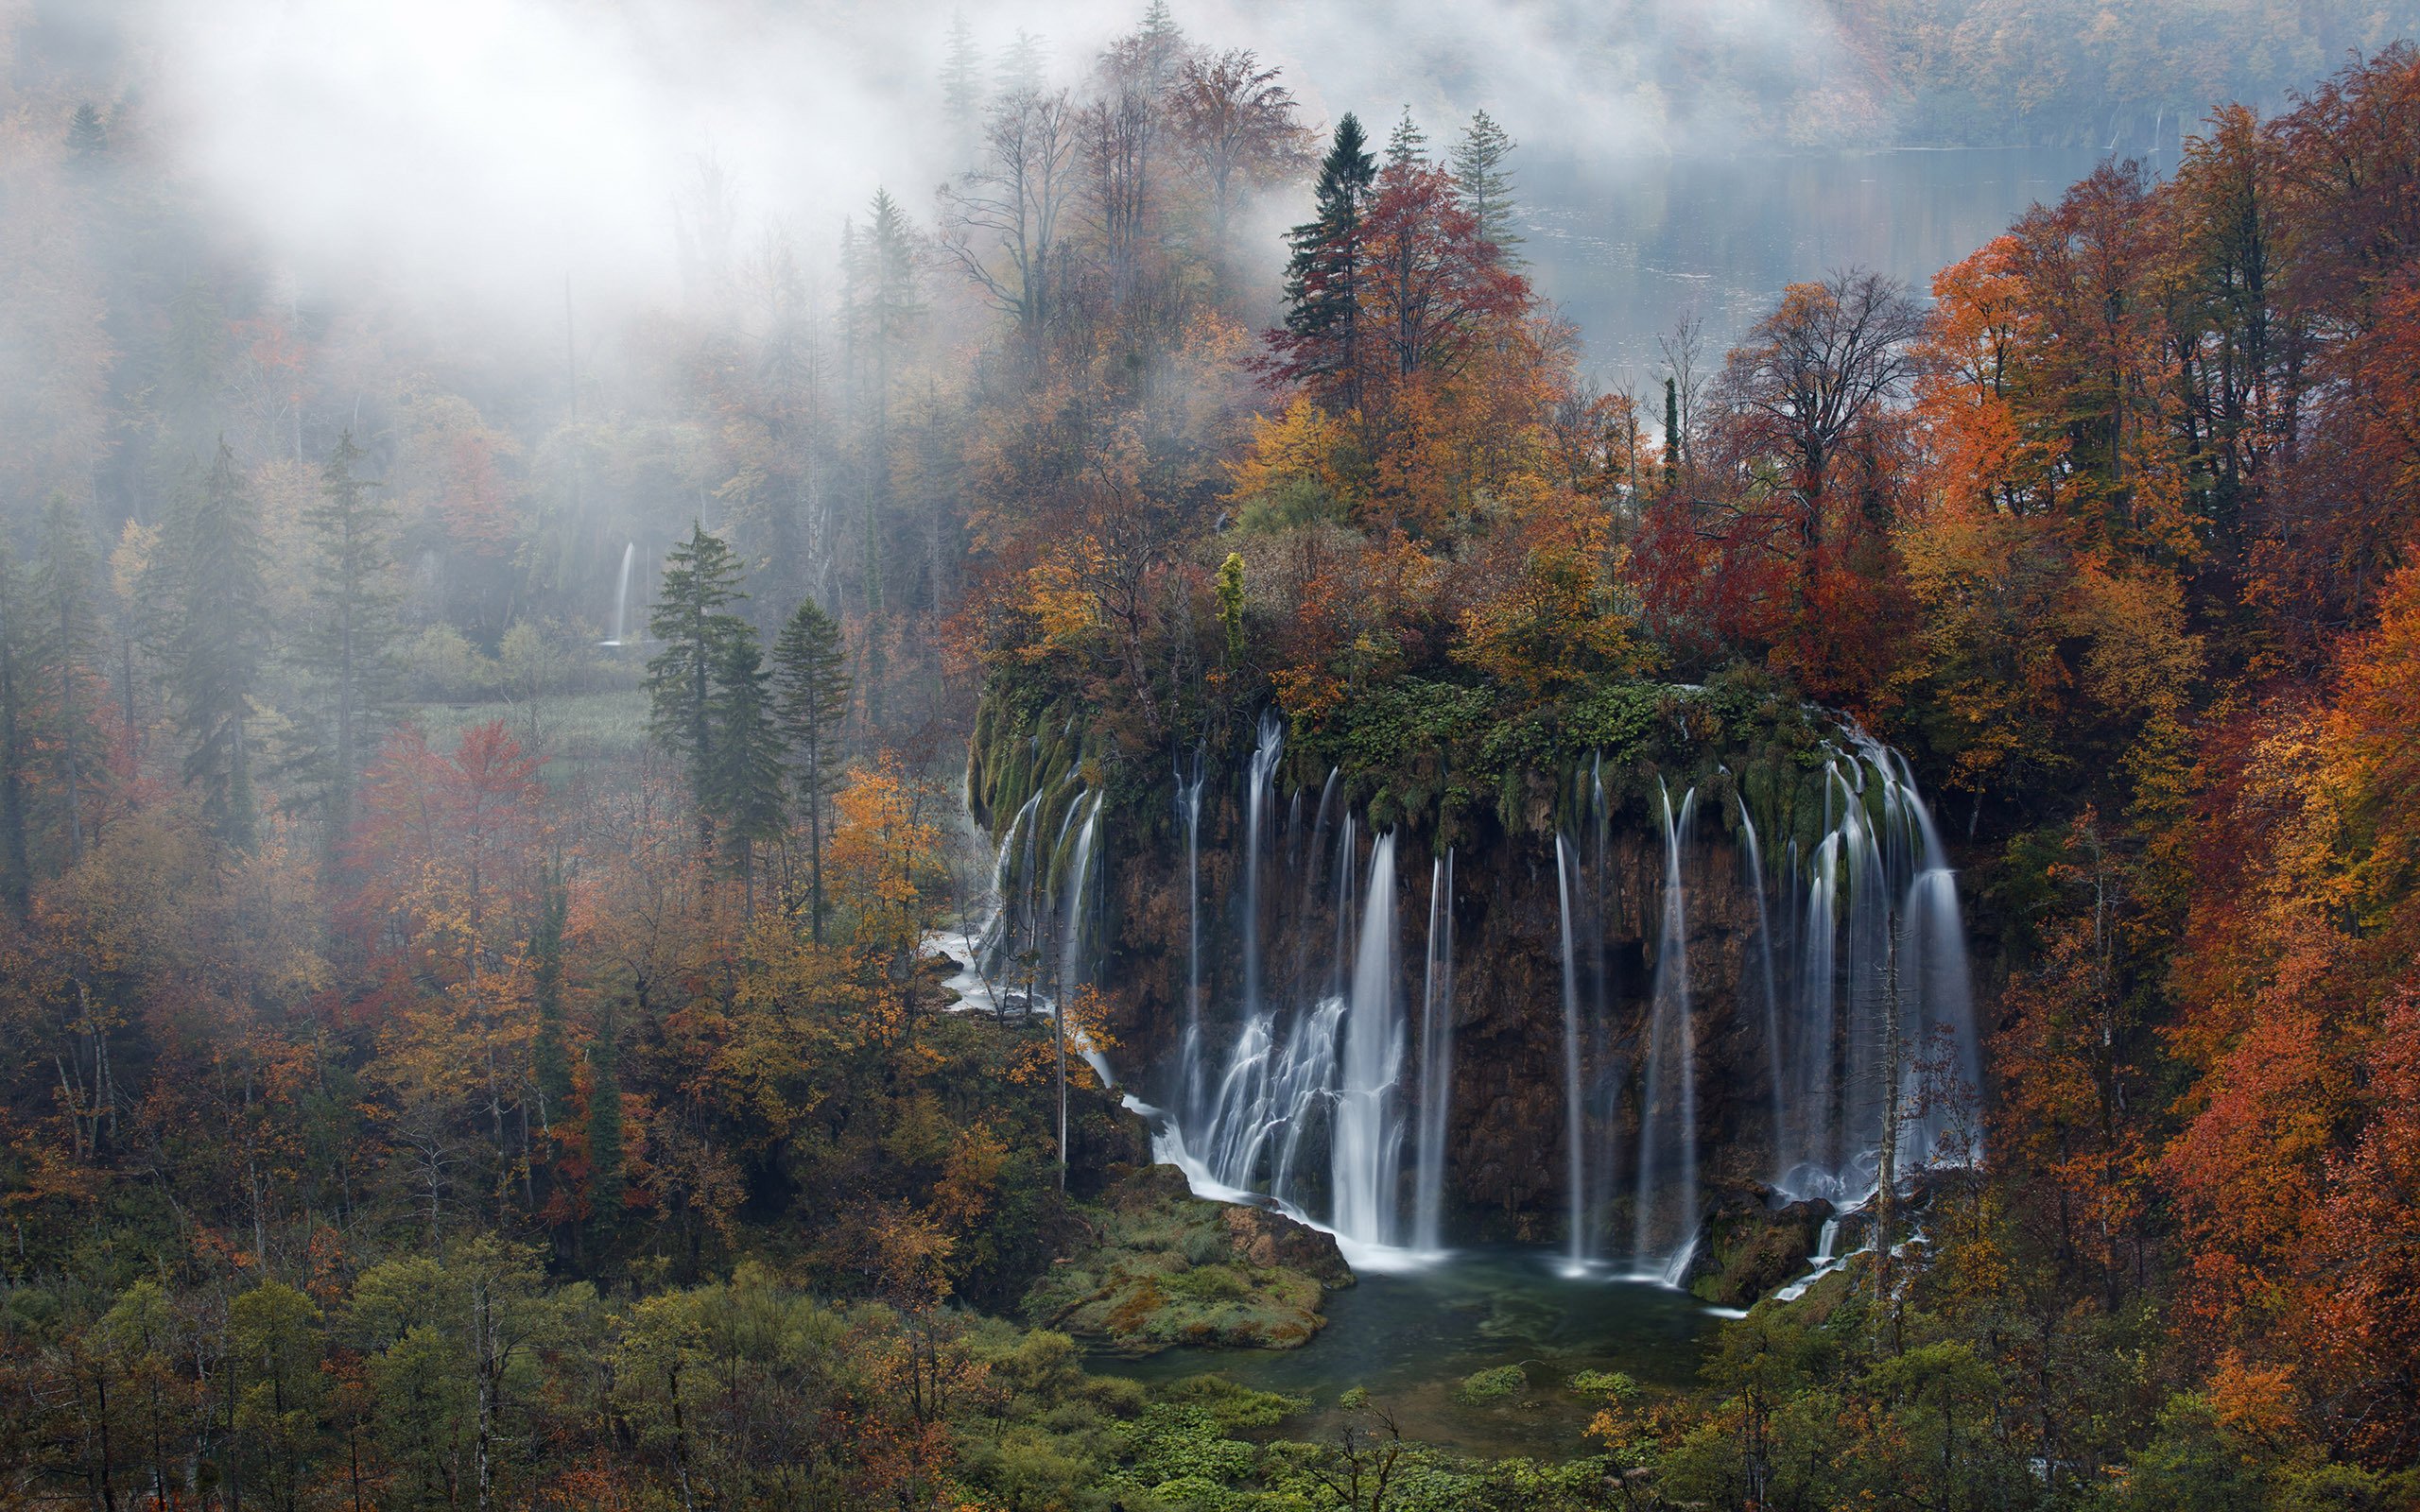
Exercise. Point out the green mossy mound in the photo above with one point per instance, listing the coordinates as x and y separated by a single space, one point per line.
1749 1252
1170 1268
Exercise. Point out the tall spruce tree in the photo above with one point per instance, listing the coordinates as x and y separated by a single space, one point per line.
348 643
1324 274
210 591
66 603
961 83
1672 435
811 680
1485 184
745 769
16 869
605 1175
693 621
549 1055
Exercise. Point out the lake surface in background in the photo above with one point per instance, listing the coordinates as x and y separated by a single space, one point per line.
1626 249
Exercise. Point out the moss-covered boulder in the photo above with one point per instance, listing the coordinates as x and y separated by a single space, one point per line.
1749 1249
1169 1268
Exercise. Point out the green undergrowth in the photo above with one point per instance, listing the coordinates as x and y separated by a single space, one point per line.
1166 1268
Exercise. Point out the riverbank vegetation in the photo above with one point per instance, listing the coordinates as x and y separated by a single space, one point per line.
446 1060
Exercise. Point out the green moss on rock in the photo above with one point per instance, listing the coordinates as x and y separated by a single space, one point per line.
1169 1268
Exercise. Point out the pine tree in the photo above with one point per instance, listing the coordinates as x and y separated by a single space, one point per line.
889 309
1672 435
811 678
1485 184
87 138
605 1125
1324 274
66 603
210 594
1407 144
961 83
549 1058
16 872
1162 45
693 623
349 642
746 771
1021 66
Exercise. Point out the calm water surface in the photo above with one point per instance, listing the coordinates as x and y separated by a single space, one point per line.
1410 1339
1625 248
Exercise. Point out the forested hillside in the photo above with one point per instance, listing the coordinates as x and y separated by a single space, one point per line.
487 883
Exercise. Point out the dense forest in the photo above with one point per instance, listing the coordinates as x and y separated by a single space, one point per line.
489 847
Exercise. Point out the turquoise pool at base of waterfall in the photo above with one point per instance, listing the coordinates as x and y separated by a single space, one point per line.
1411 1339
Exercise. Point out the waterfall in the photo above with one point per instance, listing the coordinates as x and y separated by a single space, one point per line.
1074 944
1666 1211
1436 1056
1189 808
1765 981
1879 884
1289 1082
622 594
1365 1143
1574 1150
1264 767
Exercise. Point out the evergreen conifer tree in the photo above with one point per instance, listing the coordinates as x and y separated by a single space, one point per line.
86 136
1021 65
1324 273
692 621
348 643
746 770
550 1059
66 591
1485 184
208 592
605 1175
16 872
1407 144
811 680
961 83
1671 434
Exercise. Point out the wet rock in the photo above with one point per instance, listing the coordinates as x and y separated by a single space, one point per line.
1749 1249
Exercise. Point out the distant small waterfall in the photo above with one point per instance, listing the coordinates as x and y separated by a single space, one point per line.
1436 1056
622 595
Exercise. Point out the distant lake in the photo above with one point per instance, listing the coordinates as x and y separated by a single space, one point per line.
1624 248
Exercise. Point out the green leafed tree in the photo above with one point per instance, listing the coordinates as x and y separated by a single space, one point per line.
811 682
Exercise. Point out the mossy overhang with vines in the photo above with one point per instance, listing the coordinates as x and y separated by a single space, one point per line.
1452 761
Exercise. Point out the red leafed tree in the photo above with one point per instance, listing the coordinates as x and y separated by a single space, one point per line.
446 842
1436 286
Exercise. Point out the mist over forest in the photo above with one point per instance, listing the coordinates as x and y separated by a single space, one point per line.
1221 756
